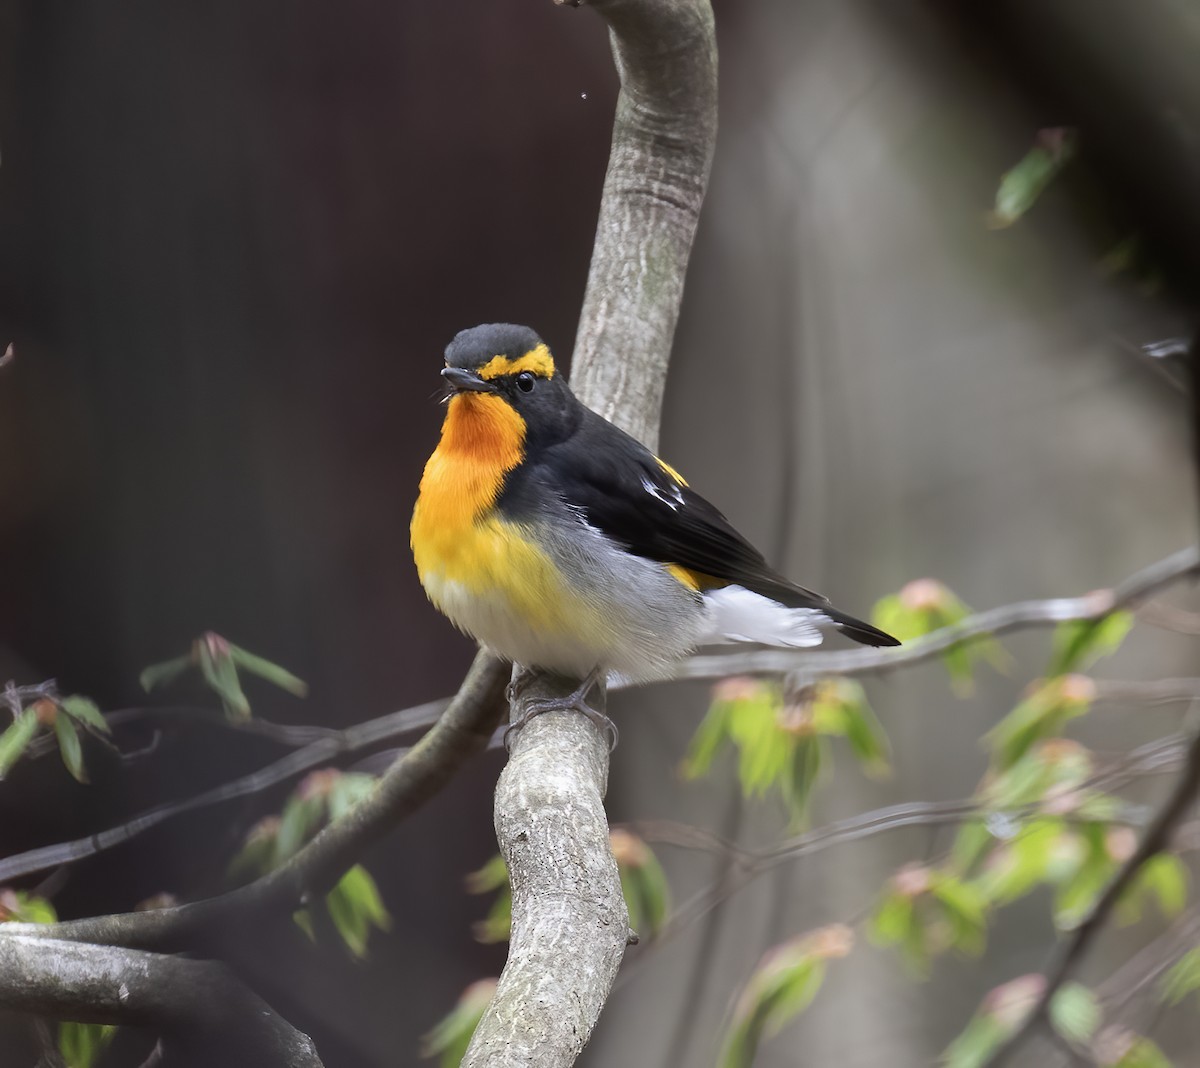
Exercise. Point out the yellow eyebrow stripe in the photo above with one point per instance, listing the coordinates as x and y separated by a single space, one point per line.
538 360
671 471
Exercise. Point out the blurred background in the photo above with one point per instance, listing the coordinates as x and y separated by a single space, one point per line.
234 240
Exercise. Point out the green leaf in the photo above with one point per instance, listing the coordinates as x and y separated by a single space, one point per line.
1183 978
217 667
1080 642
84 710
793 992
783 985
301 818
265 669
970 844
160 674
867 738
763 748
258 853
348 790
973 1047
451 1036
496 926
1042 714
1021 186
25 907
897 922
1017 866
806 759
1083 882
1075 1013
15 740
492 876
1143 1053
1001 1012
355 907
707 741
80 1043
69 747
360 890
966 910
303 919
1165 877
643 882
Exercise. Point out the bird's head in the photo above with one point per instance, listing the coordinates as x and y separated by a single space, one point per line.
499 363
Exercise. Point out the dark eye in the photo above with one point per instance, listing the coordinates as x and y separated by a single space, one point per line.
525 382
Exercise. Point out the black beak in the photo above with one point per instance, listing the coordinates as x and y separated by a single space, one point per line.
462 381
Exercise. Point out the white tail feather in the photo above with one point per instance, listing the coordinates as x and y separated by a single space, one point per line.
735 614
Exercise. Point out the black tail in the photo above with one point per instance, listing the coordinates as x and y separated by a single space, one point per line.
858 630
798 597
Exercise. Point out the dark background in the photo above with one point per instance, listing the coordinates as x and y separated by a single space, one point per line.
234 239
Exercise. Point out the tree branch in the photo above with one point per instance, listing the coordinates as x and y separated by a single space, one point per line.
203 1012
352 740
664 133
1095 605
329 746
569 922
465 728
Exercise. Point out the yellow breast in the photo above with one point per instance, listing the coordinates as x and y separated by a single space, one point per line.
468 558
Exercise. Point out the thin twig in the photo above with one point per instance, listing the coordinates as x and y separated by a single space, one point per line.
1157 838
1168 617
1135 589
331 746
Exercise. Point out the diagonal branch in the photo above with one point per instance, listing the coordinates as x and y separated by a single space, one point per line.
1071 951
465 728
1095 605
330 745
353 740
203 1012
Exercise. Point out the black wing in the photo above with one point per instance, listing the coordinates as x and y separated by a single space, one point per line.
624 491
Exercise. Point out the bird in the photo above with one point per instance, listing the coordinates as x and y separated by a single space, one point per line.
560 542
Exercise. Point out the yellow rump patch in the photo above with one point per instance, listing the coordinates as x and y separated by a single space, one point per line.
538 360
694 580
671 471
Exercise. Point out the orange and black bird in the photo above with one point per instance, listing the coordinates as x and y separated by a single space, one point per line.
562 543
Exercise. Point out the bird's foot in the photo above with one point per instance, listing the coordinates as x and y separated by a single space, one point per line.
576 701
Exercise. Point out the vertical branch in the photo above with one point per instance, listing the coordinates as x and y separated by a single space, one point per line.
663 137
570 926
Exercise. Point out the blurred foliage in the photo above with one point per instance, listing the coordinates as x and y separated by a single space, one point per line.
784 984
66 717
1047 707
354 905
1182 979
782 747
80 1044
219 662
452 1034
926 605
924 911
1021 186
1080 643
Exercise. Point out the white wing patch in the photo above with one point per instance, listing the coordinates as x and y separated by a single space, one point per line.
735 614
672 499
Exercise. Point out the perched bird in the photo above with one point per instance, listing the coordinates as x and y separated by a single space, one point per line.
562 543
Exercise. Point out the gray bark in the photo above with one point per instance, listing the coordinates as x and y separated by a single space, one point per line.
217 1020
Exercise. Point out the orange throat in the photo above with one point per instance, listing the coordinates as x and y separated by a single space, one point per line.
482 440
